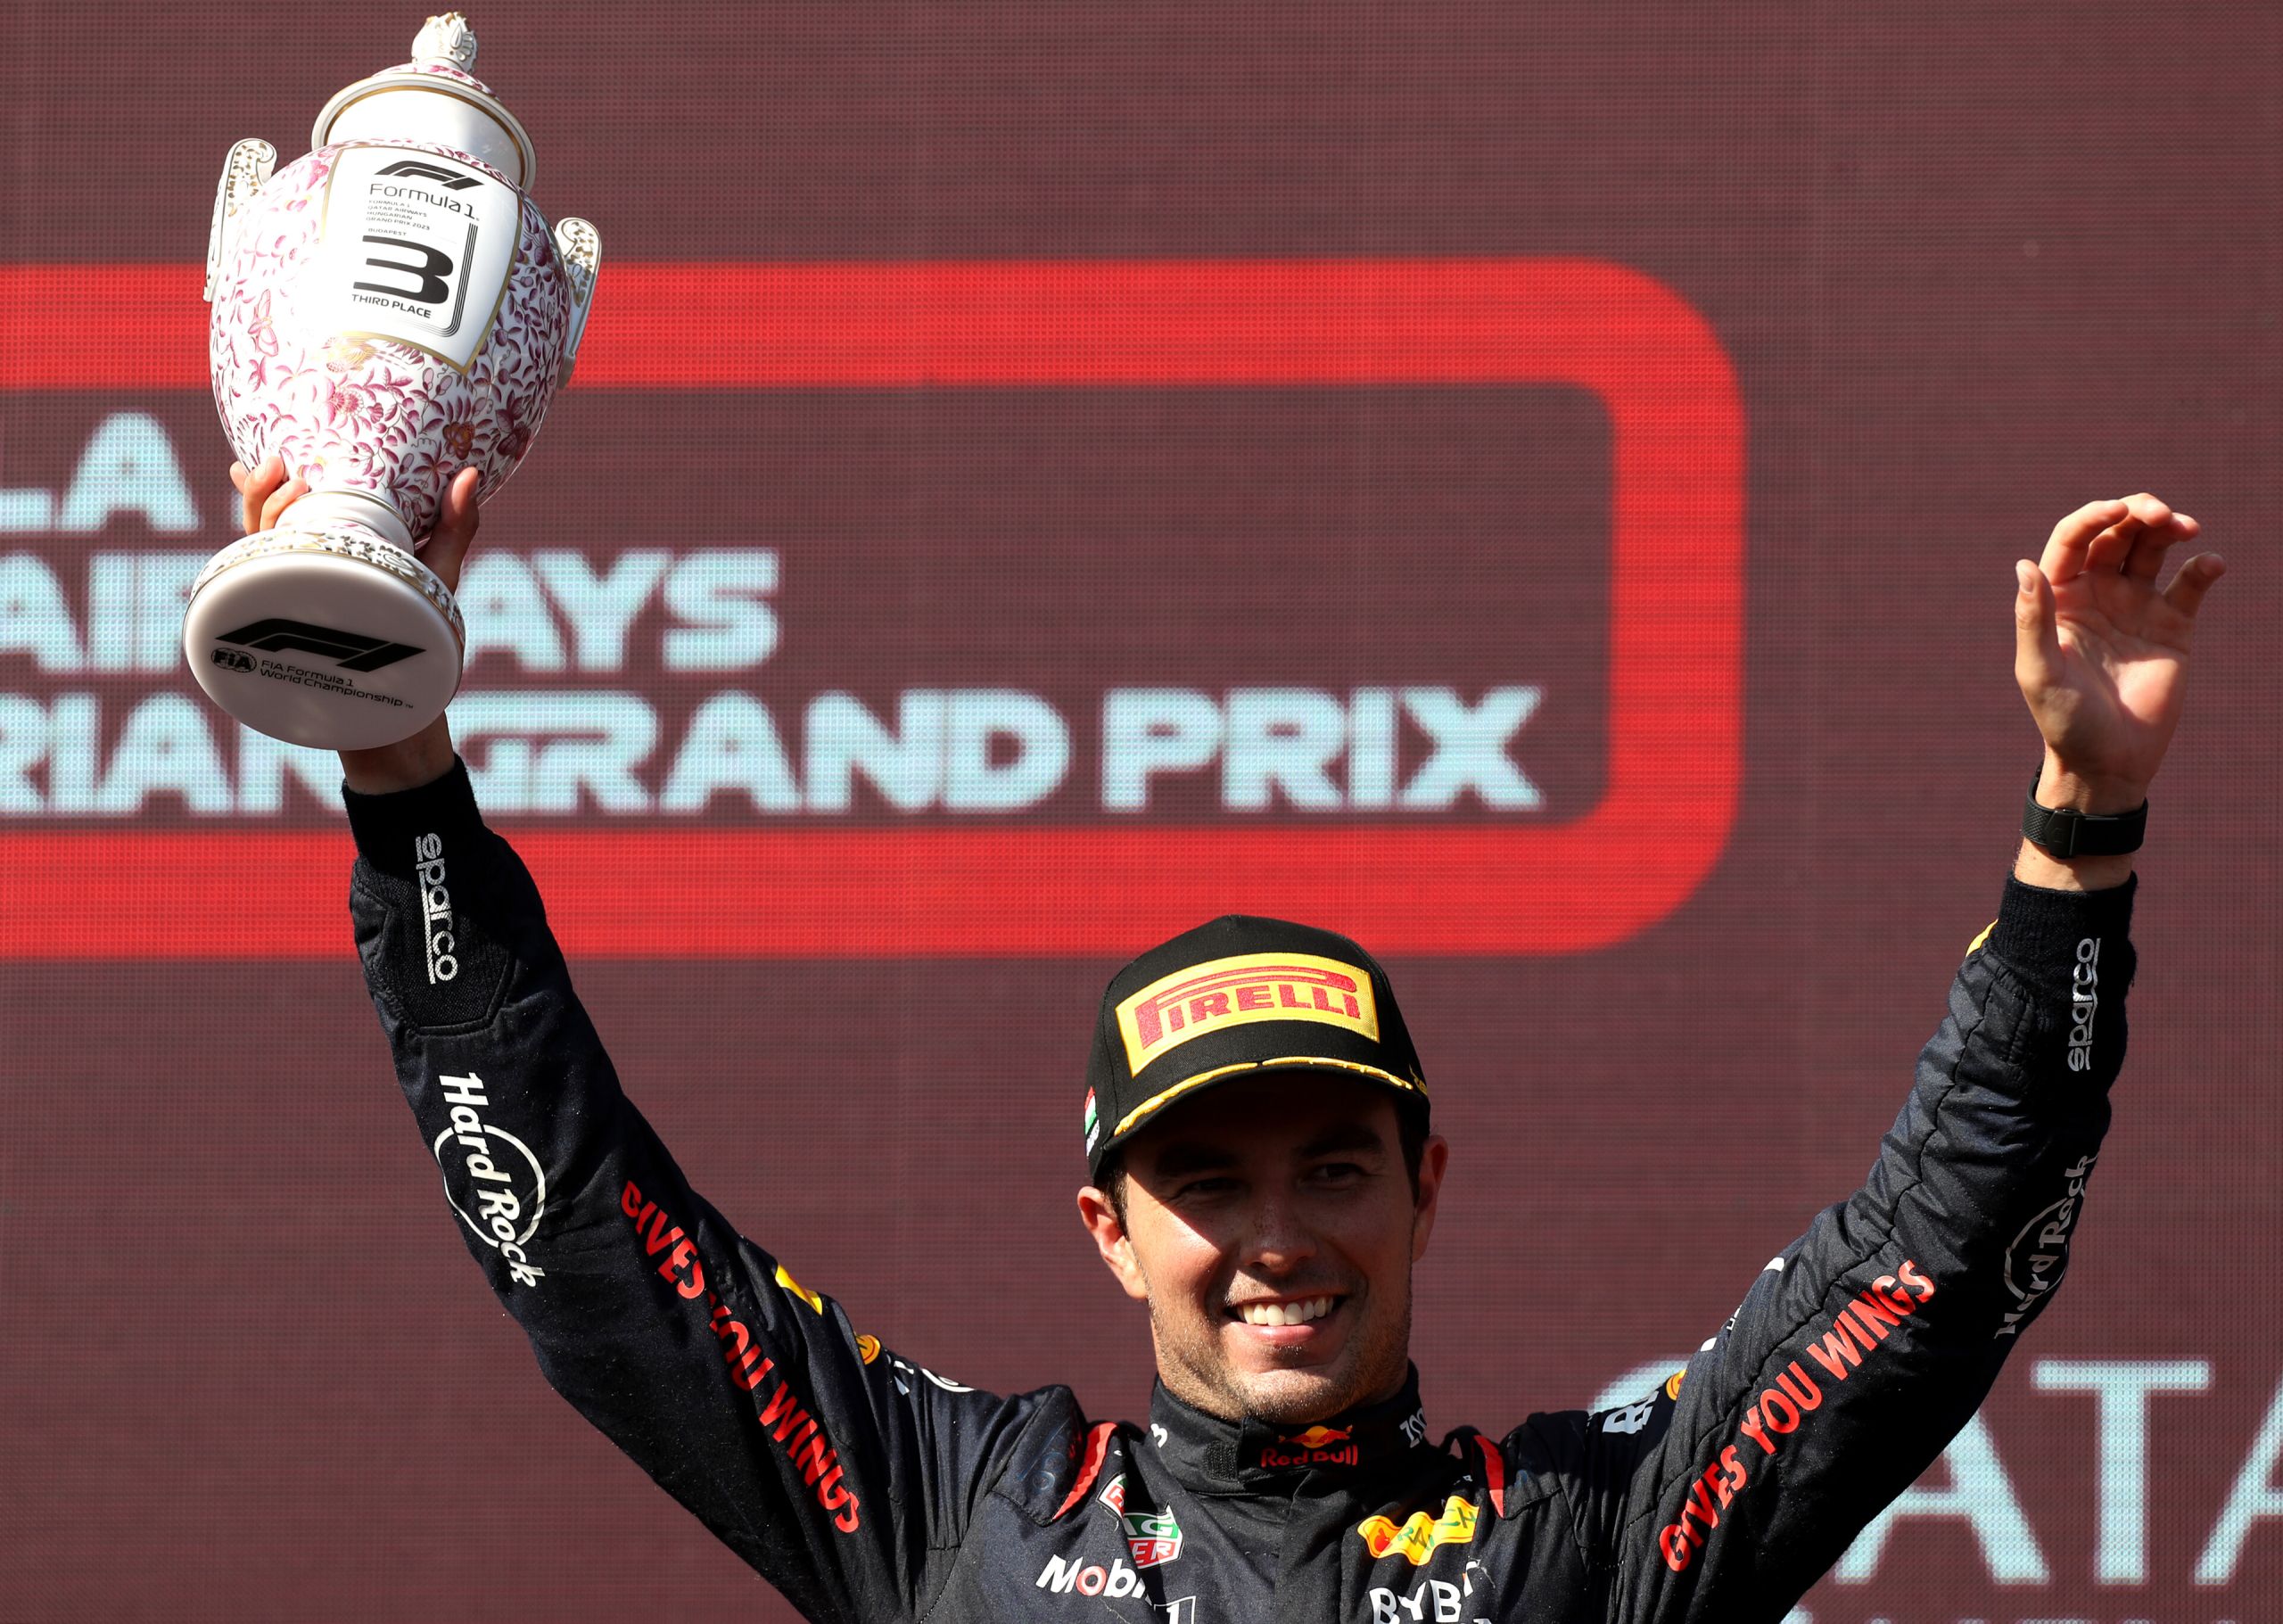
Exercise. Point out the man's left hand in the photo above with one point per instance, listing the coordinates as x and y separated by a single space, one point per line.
2101 655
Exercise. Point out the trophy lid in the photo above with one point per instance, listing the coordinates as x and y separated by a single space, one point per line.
433 98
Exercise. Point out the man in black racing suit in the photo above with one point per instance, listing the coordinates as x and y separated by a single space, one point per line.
868 1489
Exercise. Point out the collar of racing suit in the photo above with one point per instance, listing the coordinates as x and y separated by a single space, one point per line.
1208 1454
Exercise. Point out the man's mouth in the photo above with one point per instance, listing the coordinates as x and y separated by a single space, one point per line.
1297 1311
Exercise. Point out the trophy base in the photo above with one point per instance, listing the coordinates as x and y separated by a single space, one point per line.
328 636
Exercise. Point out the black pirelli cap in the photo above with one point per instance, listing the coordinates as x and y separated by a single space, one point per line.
1235 997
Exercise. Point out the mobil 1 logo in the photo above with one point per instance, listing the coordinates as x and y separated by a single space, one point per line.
416 248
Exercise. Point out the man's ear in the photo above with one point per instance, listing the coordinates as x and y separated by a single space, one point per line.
1434 1157
1111 1241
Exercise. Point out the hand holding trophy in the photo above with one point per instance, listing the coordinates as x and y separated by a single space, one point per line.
388 309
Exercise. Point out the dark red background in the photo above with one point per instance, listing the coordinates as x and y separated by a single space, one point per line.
1970 269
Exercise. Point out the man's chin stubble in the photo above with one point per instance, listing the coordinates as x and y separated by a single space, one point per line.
1331 1391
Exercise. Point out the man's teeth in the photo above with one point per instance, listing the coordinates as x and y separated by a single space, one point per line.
1285 1314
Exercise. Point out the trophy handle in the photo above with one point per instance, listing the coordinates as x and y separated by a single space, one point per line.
580 248
243 173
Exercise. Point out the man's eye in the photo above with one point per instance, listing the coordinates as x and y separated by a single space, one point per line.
1335 1173
1208 1187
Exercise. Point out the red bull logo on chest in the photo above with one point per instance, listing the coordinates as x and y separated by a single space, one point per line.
1319 1445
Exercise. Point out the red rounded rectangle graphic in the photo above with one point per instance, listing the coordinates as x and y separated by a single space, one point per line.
1675 622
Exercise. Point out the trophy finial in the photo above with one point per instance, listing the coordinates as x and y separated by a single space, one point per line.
435 98
447 39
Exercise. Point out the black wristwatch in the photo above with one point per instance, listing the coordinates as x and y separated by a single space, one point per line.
2064 832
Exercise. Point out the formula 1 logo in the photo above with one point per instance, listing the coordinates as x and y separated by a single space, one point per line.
412 169
351 650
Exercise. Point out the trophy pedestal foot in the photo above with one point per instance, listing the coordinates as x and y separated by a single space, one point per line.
326 636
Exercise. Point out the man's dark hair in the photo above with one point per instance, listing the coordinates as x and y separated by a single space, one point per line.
1410 1133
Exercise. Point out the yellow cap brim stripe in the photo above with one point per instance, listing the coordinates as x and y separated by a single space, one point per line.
1165 1096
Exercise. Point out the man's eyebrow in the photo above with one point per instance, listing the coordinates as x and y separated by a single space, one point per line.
1186 1156
1347 1136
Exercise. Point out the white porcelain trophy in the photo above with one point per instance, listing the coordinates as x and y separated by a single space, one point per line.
388 309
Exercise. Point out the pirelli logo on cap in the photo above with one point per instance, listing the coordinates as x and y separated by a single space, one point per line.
1238 991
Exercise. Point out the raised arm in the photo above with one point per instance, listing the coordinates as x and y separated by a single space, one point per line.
1865 1346
845 1475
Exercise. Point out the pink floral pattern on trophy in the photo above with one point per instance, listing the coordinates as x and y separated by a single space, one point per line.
445 70
372 415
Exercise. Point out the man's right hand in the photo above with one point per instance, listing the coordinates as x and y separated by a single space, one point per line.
427 755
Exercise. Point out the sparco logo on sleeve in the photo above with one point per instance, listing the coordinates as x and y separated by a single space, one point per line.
2084 1004
435 909
490 1170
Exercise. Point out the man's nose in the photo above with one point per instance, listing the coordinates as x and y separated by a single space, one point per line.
1279 1241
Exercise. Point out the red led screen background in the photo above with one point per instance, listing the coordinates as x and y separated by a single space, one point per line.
1532 486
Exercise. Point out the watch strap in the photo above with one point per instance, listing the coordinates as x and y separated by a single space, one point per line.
2064 832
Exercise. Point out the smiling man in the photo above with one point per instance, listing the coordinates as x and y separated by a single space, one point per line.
1263 1175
